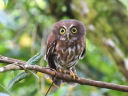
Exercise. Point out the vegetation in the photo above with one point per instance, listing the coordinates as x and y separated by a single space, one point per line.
25 25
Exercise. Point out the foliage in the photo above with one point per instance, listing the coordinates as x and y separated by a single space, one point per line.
125 2
3 3
24 23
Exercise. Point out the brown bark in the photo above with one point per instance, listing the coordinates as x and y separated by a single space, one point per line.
20 65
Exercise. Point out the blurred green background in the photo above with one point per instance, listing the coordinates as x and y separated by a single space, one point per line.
23 24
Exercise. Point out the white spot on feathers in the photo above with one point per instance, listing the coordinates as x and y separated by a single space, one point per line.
62 38
78 47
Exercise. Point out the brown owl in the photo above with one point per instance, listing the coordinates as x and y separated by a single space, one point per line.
66 45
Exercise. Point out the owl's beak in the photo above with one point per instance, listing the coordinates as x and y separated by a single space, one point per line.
68 35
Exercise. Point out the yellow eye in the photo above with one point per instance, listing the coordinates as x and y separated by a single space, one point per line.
74 30
62 30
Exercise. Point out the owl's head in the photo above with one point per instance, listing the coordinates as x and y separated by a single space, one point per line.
68 29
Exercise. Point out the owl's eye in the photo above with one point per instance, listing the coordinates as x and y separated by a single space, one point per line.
74 30
62 30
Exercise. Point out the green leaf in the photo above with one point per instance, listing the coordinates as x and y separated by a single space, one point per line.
33 60
17 79
34 74
23 75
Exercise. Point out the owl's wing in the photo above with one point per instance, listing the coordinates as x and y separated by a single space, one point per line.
82 54
51 44
83 47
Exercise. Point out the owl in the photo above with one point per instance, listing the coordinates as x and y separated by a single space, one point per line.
65 46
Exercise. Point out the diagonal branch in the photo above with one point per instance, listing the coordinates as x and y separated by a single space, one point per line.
20 65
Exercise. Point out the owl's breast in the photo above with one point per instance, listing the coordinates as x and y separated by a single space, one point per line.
67 54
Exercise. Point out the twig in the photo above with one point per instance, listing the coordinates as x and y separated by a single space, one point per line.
49 88
59 75
54 78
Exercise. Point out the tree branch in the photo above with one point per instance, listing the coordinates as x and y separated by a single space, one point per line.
20 65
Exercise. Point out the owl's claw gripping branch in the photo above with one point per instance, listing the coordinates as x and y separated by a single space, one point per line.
73 75
64 71
70 72
59 69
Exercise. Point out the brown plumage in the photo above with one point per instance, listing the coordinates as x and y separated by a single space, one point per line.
66 45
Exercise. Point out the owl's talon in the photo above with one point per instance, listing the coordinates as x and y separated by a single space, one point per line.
72 75
59 69
77 77
64 71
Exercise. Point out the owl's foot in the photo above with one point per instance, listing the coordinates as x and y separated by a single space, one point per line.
73 75
77 77
64 71
61 70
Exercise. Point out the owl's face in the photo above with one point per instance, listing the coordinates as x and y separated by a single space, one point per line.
68 30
